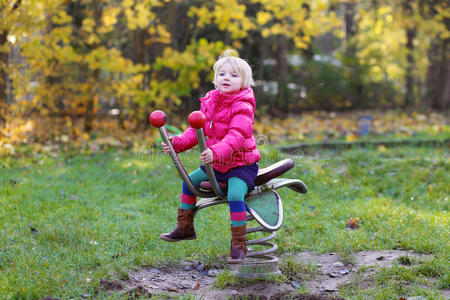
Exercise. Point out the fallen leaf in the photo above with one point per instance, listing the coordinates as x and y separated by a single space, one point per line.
353 223
351 137
381 148
33 230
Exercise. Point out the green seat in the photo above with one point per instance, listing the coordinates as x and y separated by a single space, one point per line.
267 209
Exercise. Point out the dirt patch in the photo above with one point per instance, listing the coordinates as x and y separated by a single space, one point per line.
333 272
193 278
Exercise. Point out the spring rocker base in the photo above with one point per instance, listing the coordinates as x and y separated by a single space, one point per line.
263 204
264 207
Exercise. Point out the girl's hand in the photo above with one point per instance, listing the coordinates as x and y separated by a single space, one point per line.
165 146
207 156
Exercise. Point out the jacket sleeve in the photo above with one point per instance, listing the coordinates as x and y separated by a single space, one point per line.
241 128
185 141
188 138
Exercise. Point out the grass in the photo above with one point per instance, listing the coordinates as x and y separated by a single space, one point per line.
295 270
66 221
289 267
227 278
401 281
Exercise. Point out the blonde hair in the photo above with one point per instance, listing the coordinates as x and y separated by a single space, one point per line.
238 64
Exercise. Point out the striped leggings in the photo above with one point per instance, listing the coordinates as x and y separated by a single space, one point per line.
237 188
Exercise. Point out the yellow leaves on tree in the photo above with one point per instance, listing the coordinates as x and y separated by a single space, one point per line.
199 56
263 17
322 126
290 18
109 19
159 34
228 15
139 15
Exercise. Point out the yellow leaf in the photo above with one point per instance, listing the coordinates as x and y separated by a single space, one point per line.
88 24
351 137
110 16
266 32
93 39
237 44
299 43
128 3
263 17
143 15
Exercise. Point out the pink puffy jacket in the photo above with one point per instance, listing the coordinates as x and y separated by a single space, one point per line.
229 128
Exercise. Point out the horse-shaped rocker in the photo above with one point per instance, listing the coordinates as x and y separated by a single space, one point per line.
263 204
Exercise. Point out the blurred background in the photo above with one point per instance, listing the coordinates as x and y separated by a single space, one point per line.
78 70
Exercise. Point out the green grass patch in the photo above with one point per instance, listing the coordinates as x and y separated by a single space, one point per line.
430 133
296 270
66 221
416 278
227 278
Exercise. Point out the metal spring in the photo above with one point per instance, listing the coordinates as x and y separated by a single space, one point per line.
264 241
258 264
208 202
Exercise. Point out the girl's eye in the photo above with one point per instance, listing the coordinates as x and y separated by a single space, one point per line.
234 75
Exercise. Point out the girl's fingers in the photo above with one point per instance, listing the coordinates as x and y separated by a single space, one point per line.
165 147
206 159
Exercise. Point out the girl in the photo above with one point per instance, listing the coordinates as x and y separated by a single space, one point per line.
231 148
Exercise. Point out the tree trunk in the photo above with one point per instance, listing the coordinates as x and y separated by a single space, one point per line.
443 100
349 17
308 52
3 73
438 76
433 84
351 28
281 72
89 119
3 65
410 98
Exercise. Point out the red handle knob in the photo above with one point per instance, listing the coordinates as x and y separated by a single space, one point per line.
197 119
158 118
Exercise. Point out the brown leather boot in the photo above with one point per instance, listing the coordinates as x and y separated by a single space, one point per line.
238 249
185 227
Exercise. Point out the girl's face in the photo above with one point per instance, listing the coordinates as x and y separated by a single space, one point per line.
228 81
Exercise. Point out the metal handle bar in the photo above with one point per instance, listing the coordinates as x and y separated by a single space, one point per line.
158 119
197 120
208 167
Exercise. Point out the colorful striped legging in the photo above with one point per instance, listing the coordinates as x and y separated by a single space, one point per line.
237 188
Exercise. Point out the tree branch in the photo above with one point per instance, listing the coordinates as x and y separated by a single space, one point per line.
16 5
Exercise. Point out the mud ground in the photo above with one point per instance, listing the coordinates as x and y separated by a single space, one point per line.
193 278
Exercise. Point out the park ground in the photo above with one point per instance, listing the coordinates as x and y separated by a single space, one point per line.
82 219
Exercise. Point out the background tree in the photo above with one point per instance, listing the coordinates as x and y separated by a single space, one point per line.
438 74
81 57
8 17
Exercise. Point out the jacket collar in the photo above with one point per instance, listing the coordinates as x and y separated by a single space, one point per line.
215 96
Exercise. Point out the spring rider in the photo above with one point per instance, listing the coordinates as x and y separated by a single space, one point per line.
263 204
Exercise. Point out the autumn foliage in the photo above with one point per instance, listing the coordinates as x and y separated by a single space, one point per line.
65 62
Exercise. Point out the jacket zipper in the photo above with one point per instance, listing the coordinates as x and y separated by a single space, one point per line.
214 113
